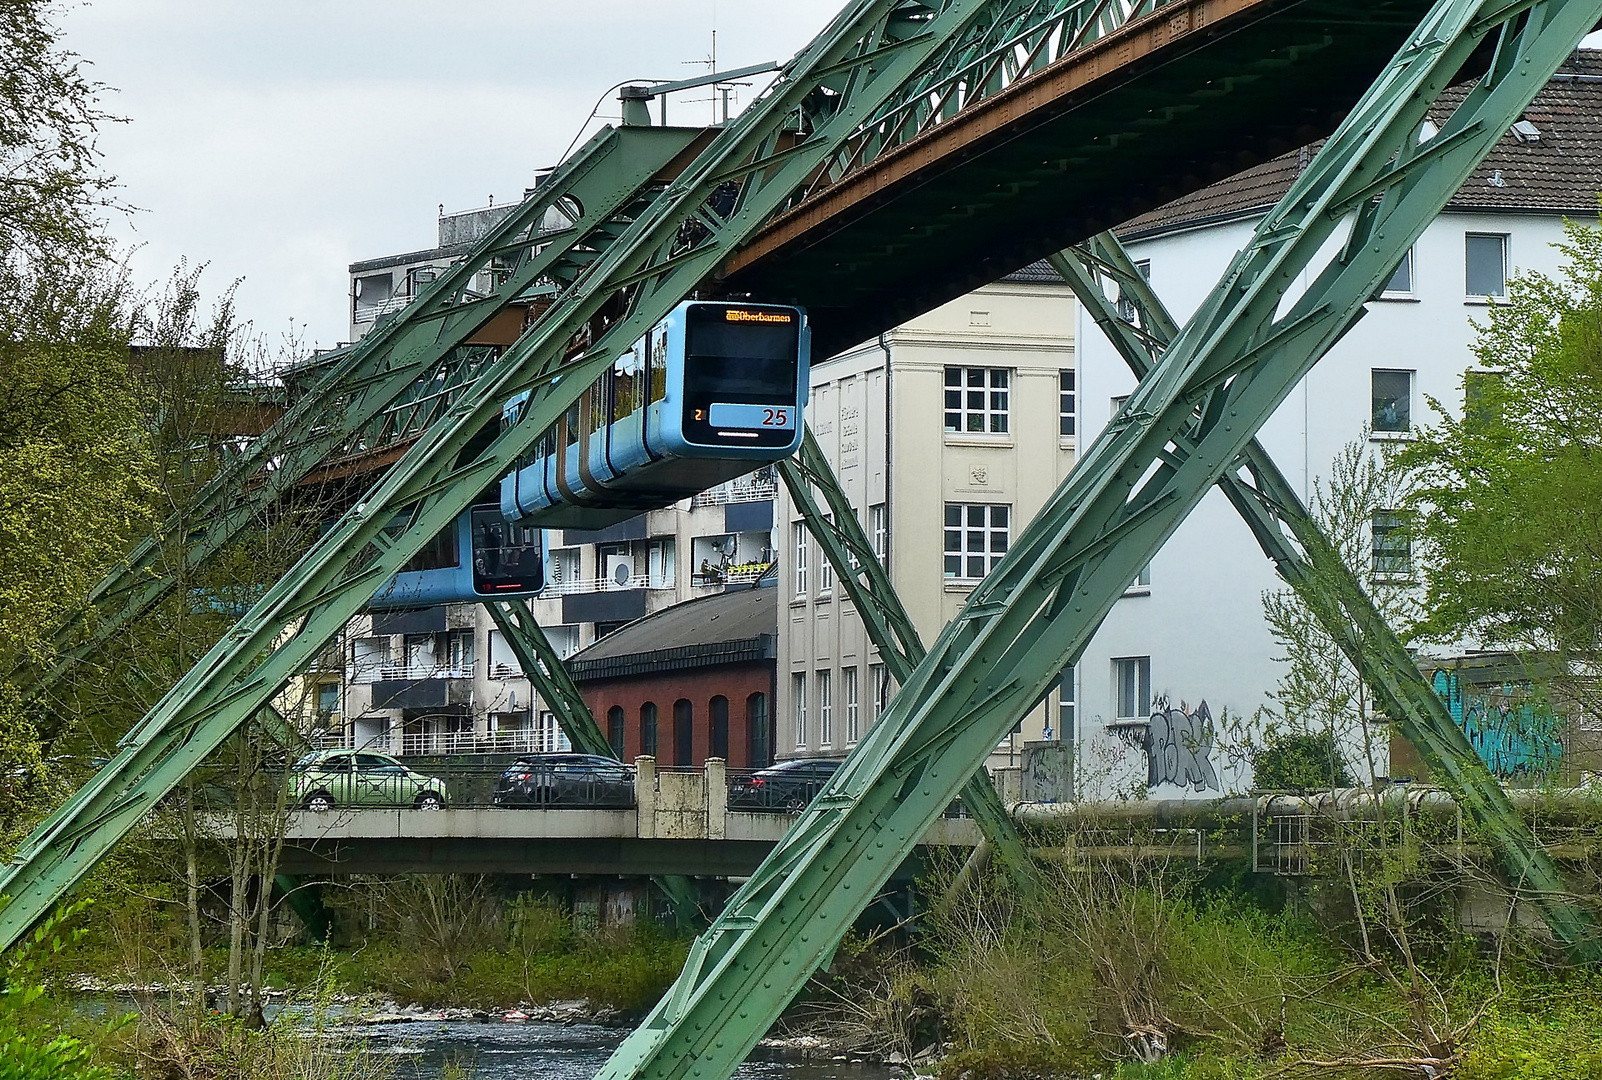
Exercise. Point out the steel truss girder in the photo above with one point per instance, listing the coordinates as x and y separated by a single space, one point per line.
1269 506
840 534
550 679
1223 376
634 280
404 350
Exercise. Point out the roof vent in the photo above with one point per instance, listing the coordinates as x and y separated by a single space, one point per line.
1496 179
1524 131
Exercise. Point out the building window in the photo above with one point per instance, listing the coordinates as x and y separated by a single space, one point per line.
327 698
825 709
1401 280
549 738
1393 549
1141 586
799 573
976 539
718 714
1118 402
798 692
977 400
1485 264
1128 310
1132 684
879 687
853 717
648 728
879 528
756 720
825 569
502 658
614 730
368 658
683 732
459 647
1393 400
1067 696
1065 404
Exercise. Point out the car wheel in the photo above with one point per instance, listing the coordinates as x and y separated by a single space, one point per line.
320 803
430 800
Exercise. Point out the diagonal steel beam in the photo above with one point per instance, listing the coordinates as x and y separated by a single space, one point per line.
556 688
839 533
608 173
630 284
1310 563
1224 375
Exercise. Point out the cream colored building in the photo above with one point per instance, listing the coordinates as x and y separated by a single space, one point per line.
948 434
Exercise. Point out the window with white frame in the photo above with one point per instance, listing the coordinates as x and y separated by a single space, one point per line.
879 530
1118 402
1400 282
825 570
976 538
799 571
1392 395
825 709
1392 547
368 655
1067 696
1485 264
798 693
1065 403
853 714
1127 309
1132 689
1142 583
502 659
549 736
459 652
978 400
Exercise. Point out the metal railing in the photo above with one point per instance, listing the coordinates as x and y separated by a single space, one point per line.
744 489
595 585
445 743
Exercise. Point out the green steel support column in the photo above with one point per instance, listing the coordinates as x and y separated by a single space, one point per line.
611 171
1371 190
1269 506
839 533
556 688
635 268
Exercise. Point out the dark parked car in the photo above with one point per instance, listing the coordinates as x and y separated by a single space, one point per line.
566 780
789 785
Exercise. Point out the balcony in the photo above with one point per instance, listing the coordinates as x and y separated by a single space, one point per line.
739 574
743 489
443 743
366 313
413 672
595 585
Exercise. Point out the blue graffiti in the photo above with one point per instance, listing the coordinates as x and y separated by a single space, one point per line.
1513 738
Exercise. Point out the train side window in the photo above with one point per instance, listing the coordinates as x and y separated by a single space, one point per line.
572 425
440 553
657 370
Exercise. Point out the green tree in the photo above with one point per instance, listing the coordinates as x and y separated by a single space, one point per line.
1322 698
1510 499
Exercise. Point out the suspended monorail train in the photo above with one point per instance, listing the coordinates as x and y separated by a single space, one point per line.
711 392
479 556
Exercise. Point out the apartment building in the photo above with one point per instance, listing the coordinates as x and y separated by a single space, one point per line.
948 434
1191 643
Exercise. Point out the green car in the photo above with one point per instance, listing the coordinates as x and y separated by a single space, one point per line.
325 779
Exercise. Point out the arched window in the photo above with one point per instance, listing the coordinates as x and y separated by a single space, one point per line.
648 728
683 732
756 718
614 729
718 744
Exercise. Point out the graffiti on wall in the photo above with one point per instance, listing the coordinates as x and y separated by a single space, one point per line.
1179 747
1514 735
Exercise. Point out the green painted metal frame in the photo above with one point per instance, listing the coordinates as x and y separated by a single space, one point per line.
556 688
635 267
1270 506
839 533
1371 190
379 390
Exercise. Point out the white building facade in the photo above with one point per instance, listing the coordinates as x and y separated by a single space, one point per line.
947 435
1193 644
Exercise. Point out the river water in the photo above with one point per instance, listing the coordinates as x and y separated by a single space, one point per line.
542 1051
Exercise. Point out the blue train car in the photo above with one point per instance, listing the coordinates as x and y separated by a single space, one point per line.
479 556
711 392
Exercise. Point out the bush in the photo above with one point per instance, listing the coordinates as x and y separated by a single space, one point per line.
1300 761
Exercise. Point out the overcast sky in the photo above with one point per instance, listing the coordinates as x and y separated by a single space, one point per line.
279 142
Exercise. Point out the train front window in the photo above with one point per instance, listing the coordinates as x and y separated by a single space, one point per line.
506 557
737 360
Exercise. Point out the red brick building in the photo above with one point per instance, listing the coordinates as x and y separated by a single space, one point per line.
690 682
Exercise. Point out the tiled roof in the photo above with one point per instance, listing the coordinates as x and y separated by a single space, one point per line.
1557 169
736 626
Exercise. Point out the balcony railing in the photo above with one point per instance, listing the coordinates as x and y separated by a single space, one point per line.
366 313
420 743
606 584
414 672
741 574
745 489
